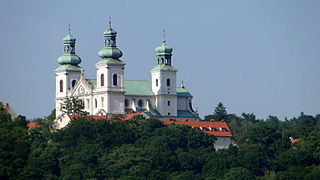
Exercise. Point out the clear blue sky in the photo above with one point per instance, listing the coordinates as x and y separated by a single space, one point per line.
254 56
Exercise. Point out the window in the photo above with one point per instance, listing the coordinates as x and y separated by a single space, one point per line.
88 103
81 102
168 102
73 83
95 103
168 82
102 101
102 80
169 114
157 82
61 86
140 103
126 102
115 79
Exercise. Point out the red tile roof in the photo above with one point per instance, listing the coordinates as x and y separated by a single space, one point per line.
295 140
108 116
91 116
32 125
219 129
130 116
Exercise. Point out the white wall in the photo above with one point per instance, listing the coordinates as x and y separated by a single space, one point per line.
222 142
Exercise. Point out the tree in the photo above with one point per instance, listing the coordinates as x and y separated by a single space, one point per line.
238 173
14 146
73 106
220 112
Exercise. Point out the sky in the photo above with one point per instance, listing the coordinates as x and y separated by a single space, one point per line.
254 56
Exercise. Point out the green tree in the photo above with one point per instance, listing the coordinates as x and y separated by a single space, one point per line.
238 173
220 112
73 106
14 146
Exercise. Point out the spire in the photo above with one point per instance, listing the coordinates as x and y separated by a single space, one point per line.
164 52
182 84
110 49
69 51
164 36
69 29
110 22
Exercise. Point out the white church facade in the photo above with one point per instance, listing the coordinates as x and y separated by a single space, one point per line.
110 93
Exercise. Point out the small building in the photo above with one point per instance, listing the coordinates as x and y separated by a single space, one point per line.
219 129
9 109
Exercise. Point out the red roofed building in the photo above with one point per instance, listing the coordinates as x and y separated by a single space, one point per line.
32 125
219 129
8 108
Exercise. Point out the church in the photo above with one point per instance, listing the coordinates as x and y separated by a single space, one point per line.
109 93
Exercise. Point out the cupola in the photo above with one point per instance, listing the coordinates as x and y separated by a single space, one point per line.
69 56
110 49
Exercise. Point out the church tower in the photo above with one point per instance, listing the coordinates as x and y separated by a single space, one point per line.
163 79
69 71
110 76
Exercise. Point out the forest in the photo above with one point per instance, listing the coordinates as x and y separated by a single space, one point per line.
147 149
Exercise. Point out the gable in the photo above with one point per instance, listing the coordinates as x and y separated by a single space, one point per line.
81 88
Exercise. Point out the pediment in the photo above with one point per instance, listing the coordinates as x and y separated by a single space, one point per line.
81 88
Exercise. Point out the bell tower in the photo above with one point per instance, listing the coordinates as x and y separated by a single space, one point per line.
69 71
163 79
110 75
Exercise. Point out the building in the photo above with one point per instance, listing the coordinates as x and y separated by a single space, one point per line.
219 129
9 109
110 93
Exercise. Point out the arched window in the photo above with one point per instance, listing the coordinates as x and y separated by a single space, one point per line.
102 80
168 102
126 102
115 79
61 86
157 82
168 82
73 83
140 103
95 103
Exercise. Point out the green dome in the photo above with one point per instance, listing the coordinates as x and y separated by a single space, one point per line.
69 59
110 32
69 37
110 52
163 49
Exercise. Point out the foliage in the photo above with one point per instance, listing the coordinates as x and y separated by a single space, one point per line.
220 113
73 106
147 149
14 145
